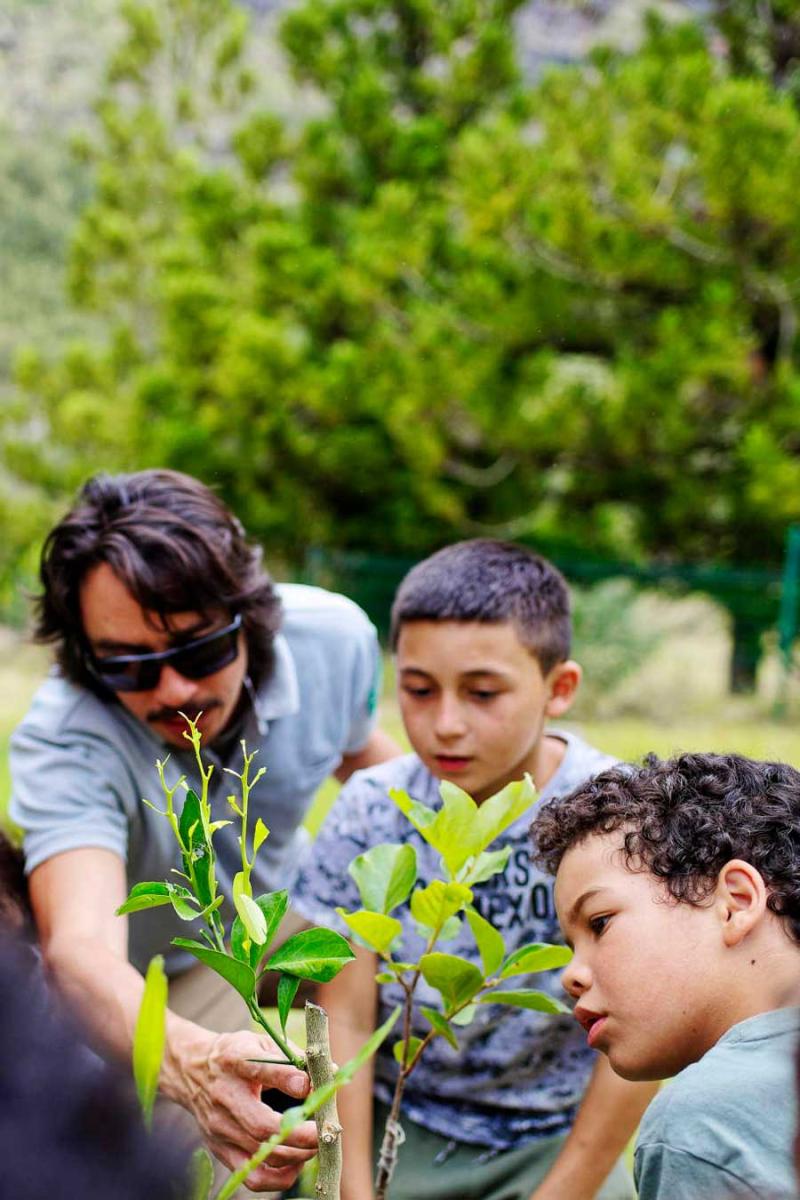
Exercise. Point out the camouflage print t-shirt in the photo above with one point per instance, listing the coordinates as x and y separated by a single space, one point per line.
517 1075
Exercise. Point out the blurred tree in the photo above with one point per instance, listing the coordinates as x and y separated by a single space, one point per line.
438 302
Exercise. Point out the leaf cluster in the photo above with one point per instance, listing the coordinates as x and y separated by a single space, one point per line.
239 955
461 832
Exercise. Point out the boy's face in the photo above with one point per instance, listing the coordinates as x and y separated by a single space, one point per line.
647 971
474 701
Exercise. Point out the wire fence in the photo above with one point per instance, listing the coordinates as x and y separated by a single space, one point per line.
756 599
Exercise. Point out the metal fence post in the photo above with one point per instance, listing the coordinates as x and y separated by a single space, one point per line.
787 617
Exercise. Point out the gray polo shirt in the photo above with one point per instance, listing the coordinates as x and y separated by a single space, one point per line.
80 766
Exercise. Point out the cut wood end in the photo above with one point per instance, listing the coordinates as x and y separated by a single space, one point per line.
330 1132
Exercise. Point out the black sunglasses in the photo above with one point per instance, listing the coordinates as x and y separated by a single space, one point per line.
194 660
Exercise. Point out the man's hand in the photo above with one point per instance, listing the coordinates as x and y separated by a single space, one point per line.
222 1089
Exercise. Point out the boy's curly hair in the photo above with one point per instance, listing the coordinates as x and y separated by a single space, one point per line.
683 818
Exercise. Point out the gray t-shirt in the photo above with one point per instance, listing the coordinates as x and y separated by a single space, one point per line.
80 766
518 1075
724 1128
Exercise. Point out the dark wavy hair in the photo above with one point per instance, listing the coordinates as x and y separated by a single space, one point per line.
492 581
174 545
682 819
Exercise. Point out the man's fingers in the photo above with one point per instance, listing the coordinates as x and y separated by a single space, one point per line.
270 1075
304 1137
225 1130
265 1178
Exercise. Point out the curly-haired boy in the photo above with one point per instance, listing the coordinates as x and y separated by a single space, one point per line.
678 884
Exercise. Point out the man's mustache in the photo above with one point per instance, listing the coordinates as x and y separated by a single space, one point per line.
186 710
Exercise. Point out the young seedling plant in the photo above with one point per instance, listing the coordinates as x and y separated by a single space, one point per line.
461 832
238 955
320 1104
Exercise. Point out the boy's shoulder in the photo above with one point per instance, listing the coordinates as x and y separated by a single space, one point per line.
700 1115
581 761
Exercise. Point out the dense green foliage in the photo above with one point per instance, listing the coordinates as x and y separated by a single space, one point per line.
439 300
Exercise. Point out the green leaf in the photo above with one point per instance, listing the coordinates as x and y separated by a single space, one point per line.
538 956
466 1016
273 905
191 819
500 811
538 1001
317 954
450 929
202 1172
252 918
198 854
405 1051
241 885
461 829
488 940
240 974
454 978
440 1024
487 865
287 990
456 828
182 901
144 895
249 912
346 1073
433 905
149 1036
420 816
259 836
375 929
385 875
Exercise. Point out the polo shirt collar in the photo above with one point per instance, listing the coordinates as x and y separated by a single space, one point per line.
279 695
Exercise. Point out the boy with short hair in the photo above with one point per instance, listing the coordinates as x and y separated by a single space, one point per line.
481 633
678 883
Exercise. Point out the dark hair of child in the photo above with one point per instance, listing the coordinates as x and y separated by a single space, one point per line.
15 911
490 581
682 819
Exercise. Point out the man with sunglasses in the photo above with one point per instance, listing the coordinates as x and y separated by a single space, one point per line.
157 605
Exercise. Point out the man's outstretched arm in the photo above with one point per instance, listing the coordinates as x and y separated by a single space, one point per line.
75 896
378 749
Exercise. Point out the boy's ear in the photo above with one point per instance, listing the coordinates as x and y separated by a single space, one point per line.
562 684
740 900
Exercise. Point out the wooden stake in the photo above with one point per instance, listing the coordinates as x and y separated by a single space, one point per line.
320 1069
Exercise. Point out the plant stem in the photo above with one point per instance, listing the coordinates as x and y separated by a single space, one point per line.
260 1019
393 1134
329 1131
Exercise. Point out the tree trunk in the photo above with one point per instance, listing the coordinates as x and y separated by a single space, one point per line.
745 653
